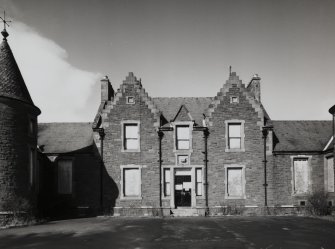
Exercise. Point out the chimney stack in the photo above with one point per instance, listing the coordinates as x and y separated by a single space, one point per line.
255 87
107 91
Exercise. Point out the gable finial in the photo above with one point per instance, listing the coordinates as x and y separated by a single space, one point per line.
229 70
5 22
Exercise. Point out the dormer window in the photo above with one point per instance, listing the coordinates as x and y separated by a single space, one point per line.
182 137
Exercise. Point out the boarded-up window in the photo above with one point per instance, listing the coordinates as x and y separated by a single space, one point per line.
235 186
131 133
167 182
131 182
198 176
300 175
330 174
234 135
65 176
182 137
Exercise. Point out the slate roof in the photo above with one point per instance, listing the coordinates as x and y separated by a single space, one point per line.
64 137
11 82
302 135
196 106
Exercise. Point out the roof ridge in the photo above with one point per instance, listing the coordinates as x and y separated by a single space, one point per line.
64 123
301 120
182 97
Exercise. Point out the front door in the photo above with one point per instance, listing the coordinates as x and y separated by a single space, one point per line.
183 187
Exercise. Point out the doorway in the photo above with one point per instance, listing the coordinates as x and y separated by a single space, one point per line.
183 188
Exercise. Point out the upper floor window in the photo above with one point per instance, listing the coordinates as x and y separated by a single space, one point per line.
300 175
131 136
234 135
31 126
182 137
65 176
234 100
130 100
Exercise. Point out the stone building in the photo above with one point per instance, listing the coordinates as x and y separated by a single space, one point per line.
153 156
18 134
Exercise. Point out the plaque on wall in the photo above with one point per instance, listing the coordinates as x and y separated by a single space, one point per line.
183 159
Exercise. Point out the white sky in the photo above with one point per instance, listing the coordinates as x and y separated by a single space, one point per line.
178 48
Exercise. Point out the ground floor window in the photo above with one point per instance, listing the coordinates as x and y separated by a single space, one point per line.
65 176
329 174
131 181
198 185
167 182
235 182
300 175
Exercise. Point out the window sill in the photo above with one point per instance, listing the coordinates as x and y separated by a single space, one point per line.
300 194
123 150
187 151
131 198
235 197
235 150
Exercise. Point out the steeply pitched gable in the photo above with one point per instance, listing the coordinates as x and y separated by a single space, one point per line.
234 81
170 107
105 109
183 115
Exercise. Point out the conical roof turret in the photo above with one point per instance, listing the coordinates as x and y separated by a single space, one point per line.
12 84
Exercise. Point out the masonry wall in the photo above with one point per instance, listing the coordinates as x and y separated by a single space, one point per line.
85 197
251 158
114 158
15 145
196 158
283 177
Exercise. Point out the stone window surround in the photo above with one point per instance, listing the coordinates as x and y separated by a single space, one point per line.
67 158
182 123
329 155
237 100
164 196
130 166
236 166
201 181
309 160
125 122
173 169
127 100
242 122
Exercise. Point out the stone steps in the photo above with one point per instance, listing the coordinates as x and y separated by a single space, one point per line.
184 212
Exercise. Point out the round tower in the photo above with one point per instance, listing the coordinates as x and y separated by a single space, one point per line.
18 135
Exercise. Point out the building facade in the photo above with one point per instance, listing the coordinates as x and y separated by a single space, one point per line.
146 156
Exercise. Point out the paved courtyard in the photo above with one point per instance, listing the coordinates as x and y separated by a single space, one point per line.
196 232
